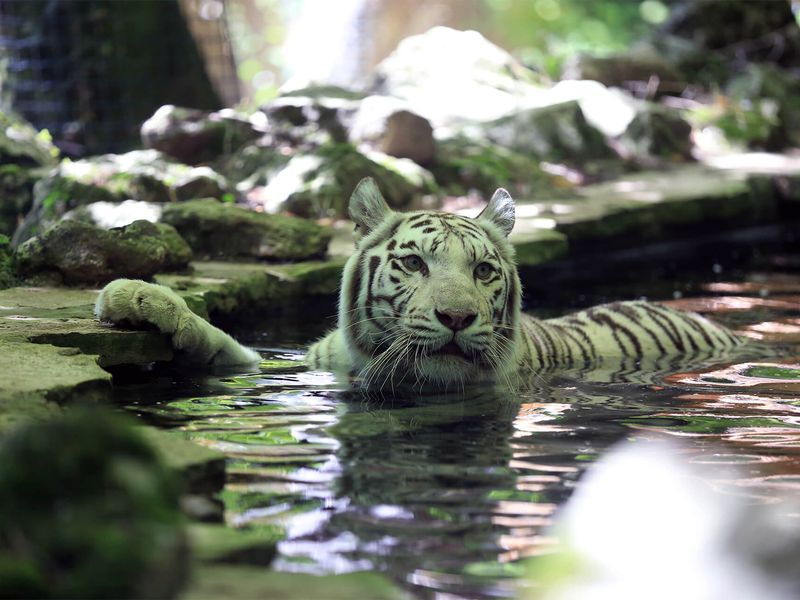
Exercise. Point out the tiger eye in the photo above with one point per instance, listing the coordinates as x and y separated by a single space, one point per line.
413 263
484 271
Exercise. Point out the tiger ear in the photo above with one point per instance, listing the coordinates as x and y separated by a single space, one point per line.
500 211
368 209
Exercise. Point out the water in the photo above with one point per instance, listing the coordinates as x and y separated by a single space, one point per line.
446 494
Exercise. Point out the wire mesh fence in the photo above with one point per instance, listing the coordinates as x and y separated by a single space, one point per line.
90 71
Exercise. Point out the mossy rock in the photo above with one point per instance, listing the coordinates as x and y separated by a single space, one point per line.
558 132
319 183
217 229
146 175
194 136
7 275
657 133
92 513
16 195
466 163
22 144
76 253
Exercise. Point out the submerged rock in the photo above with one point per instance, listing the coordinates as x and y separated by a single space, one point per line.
93 513
140 175
216 229
21 144
74 253
194 136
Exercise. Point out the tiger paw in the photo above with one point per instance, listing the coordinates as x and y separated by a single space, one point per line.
137 303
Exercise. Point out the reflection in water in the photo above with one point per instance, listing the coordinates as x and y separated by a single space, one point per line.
446 494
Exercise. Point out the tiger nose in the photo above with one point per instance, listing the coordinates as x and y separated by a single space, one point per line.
455 319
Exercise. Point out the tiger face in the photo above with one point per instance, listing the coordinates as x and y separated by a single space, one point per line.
429 296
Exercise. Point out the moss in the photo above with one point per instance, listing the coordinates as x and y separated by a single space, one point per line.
7 275
116 533
22 144
222 230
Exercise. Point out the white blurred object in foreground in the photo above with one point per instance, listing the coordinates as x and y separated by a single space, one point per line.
644 523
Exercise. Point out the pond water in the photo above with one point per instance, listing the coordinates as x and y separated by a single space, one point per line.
445 495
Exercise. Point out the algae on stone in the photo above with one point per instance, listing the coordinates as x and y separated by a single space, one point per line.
140 175
22 144
216 229
93 512
74 252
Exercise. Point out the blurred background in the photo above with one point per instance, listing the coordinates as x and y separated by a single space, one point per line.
91 71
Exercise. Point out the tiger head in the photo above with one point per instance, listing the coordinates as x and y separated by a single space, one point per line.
430 296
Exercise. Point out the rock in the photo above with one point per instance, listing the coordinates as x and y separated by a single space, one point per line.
64 317
308 120
217 229
77 253
636 71
194 136
16 195
464 164
117 533
7 274
21 144
140 175
556 133
447 75
116 214
319 183
224 544
254 164
387 125
656 133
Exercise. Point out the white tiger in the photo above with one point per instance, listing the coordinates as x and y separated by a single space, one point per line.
431 298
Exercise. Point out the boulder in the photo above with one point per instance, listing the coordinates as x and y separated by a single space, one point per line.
76 253
140 175
308 120
216 229
655 134
319 183
447 75
556 133
387 125
22 144
194 136
116 214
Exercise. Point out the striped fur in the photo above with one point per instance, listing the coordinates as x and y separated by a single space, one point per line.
409 267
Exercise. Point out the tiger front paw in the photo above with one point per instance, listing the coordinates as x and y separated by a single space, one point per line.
138 303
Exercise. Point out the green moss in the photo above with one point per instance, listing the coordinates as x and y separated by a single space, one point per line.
217 229
93 512
7 275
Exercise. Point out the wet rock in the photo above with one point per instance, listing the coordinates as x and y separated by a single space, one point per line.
117 533
16 195
387 125
140 175
21 144
319 183
557 133
78 253
64 317
448 75
194 136
199 470
217 229
223 544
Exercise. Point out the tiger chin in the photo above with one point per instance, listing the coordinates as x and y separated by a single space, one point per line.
432 300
